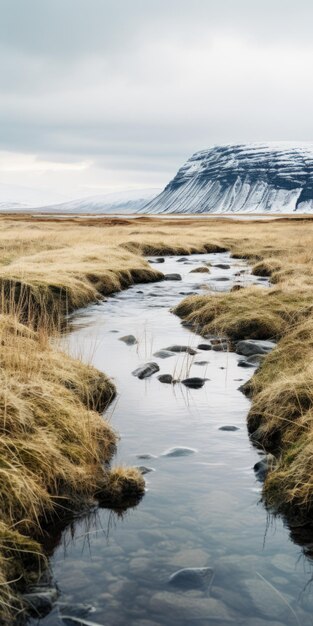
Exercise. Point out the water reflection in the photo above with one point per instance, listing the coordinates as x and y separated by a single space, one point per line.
201 510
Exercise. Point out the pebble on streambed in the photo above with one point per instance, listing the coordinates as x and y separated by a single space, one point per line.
194 382
144 371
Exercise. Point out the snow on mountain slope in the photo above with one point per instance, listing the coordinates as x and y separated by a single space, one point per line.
123 202
243 178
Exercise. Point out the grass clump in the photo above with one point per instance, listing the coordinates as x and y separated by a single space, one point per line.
251 312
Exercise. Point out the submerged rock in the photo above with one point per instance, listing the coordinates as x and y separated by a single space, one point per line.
229 428
264 466
222 266
164 354
178 451
146 456
166 378
144 469
192 578
40 600
201 362
172 277
177 348
182 259
144 371
199 270
130 340
159 259
204 346
249 347
194 382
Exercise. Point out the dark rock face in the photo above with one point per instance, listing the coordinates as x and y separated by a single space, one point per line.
257 177
144 371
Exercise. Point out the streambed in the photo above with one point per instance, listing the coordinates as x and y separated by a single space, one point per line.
201 509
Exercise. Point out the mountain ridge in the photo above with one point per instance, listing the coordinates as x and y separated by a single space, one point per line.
231 178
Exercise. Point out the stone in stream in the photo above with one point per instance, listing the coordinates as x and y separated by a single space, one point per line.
201 362
130 340
146 456
264 466
220 347
143 469
192 578
144 371
178 451
222 266
182 609
164 354
249 347
204 346
182 259
230 429
114 331
194 382
220 278
177 348
166 378
199 270
245 363
159 259
172 277
40 600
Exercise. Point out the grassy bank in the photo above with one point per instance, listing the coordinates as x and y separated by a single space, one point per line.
54 441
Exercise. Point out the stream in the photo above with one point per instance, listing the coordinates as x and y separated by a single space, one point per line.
202 507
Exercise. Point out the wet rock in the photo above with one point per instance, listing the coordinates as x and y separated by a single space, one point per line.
265 600
139 291
159 259
172 277
77 610
114 331
220 347
143 469
192 578
200 270
186 293
216 340
264 466
164 354
249 347
40 600
183 607
166 378
245 363
220 278
177 348
194 382
222 266
144 371
130 340
230 429
145 457
204 346
186 324
178 451
201 362
182 259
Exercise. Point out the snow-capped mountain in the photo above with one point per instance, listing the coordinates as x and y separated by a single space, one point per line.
259 178
129 201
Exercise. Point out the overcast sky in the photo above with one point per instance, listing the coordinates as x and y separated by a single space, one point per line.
104 95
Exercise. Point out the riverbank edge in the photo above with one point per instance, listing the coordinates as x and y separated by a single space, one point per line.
280 419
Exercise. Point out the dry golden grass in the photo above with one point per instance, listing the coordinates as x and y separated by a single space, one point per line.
53 440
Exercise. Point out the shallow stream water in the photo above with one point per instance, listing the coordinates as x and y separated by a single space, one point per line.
200 510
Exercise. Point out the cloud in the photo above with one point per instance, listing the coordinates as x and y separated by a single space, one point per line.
132 88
